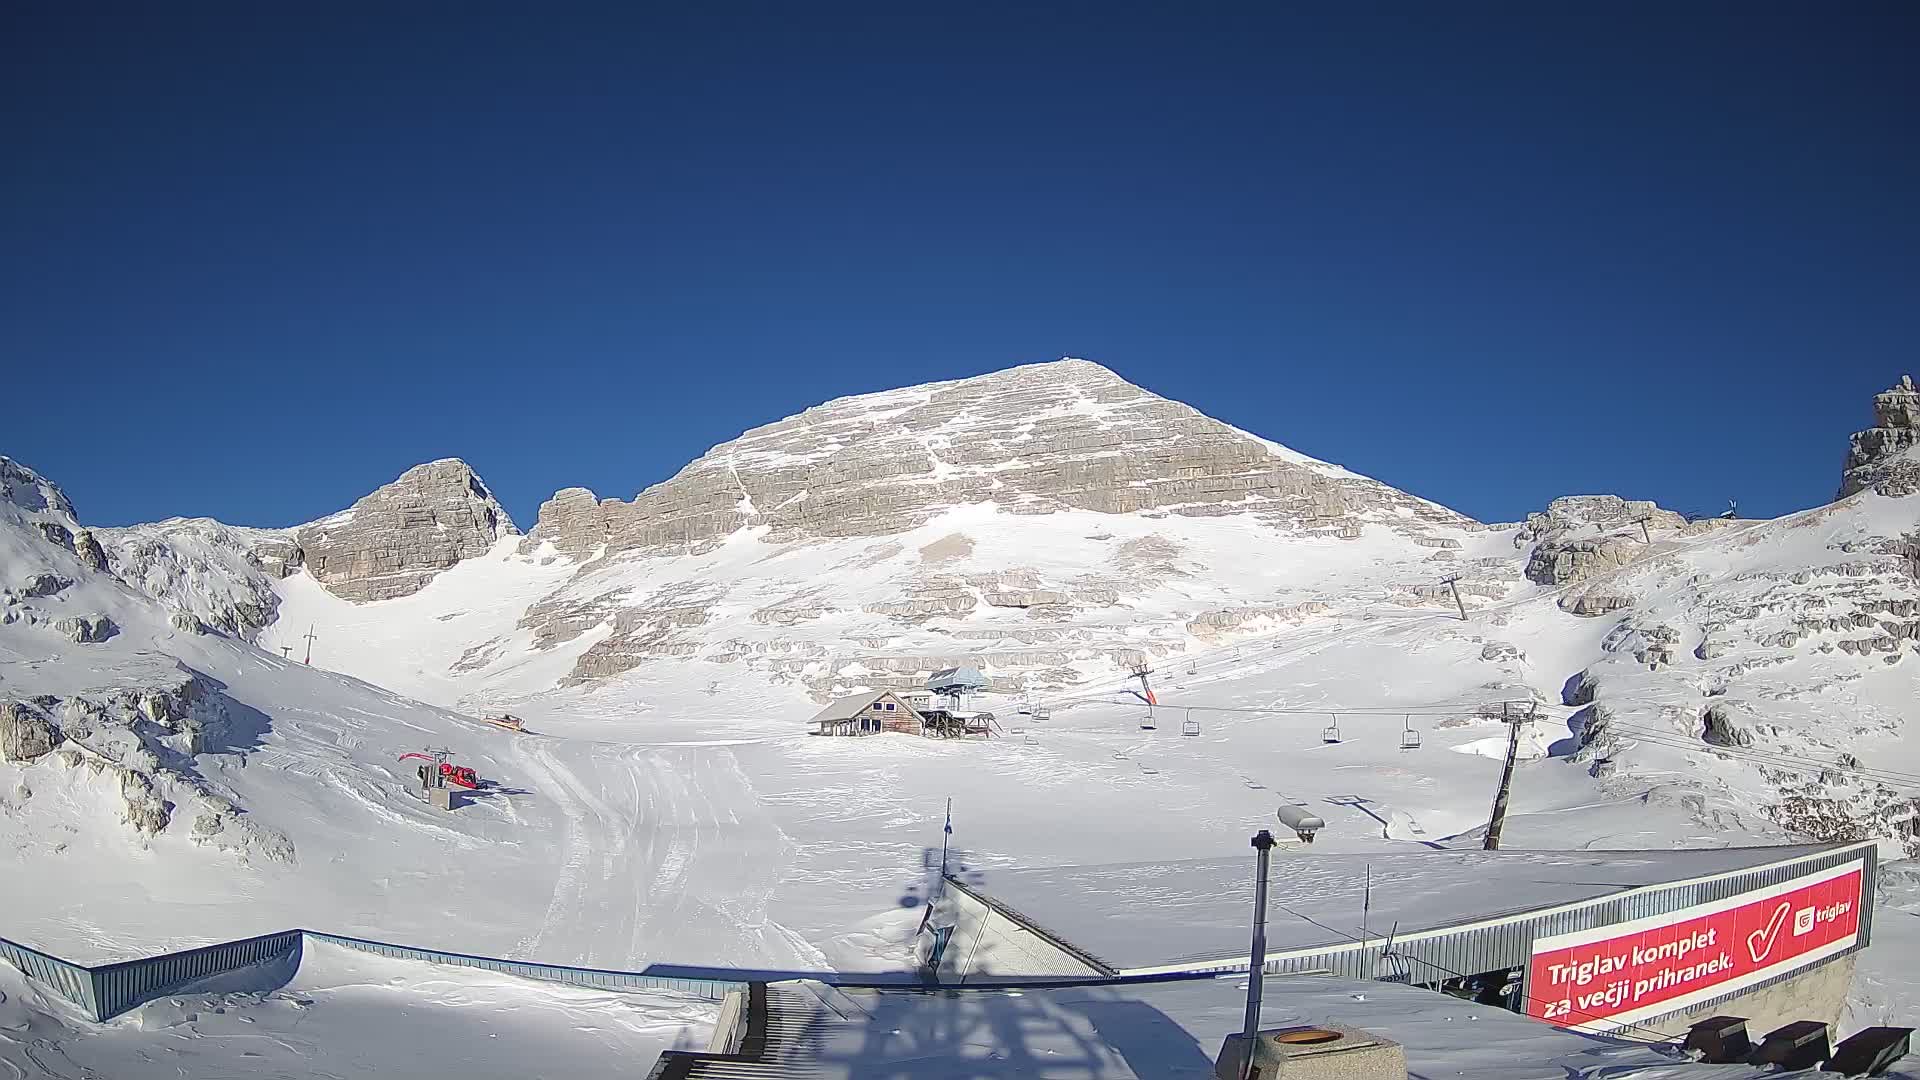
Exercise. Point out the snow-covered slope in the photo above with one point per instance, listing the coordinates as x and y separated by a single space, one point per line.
670 650
162 783
1777 664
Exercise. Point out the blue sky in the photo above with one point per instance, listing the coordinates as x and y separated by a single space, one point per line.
254 263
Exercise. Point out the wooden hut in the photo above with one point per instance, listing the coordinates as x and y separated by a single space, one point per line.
869 714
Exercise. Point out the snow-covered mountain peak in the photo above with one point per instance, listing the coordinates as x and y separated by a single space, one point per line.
1034 439
26 492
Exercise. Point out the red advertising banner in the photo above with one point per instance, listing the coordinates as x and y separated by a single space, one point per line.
1610 976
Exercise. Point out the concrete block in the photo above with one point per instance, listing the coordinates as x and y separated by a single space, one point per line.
446 798
1315 1052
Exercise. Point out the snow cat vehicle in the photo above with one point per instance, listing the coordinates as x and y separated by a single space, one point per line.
450 774
506 721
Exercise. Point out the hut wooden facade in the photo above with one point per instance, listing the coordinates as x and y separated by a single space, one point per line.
869 714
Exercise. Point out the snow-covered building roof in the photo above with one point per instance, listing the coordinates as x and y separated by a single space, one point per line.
850 707
1135 917
949 678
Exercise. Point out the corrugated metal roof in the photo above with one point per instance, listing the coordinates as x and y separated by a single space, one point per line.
957 676
1136 916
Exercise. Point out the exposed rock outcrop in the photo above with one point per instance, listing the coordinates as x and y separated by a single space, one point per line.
86 629
1580 536
1886 456
396 540
1721 729
1215 626
1033 439
1564 562
25 733
44 585
146 810
89 552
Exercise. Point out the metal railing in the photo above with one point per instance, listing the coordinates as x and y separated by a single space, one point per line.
683 980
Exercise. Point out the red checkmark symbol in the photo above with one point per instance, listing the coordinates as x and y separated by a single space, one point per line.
1760 942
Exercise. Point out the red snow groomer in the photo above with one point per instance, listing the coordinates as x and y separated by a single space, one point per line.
447 772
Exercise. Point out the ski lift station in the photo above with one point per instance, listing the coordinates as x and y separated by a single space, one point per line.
955 684
1601 941
1152 1031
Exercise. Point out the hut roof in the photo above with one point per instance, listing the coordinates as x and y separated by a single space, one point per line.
849 708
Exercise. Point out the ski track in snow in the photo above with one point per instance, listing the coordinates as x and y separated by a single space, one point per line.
635 883
578 848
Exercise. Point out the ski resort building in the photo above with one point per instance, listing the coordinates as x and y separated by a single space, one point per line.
1150 1031
1624 941
869 714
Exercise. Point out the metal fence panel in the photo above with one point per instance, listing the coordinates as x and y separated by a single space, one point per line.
122 986
715 987
71 981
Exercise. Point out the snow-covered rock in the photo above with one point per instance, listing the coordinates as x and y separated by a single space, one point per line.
1884 456
201 567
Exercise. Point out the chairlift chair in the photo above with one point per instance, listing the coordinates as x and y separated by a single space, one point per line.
1409 738
1146 722
1331 733
1190 727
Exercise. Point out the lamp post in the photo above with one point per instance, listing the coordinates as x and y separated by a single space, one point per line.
1262 844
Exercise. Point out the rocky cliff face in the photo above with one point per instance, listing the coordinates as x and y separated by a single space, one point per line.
1032 440
1886 456
400 537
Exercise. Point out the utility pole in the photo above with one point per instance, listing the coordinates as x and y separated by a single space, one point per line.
1454 583
1141 671
286 652
1499 818
1263 844
1642 522
309 659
